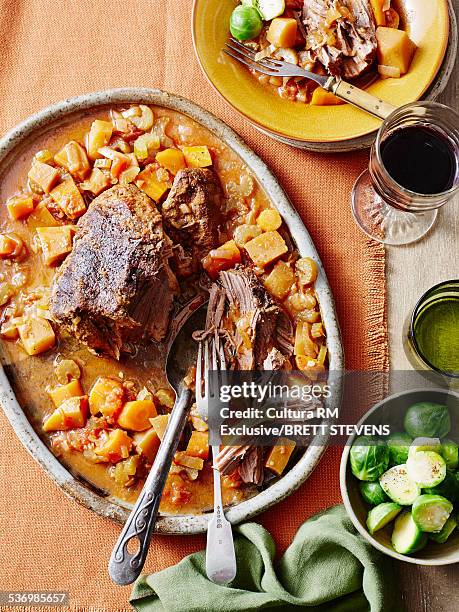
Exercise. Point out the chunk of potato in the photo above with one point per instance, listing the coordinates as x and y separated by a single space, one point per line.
280 280
61 393
166 397
307 270
245 232
159 424
115 447
321 97
41 217
73 158
304 345
44 175
70 414
149 183
379 14
171 159
182 458
269 220
99 136
282 32
55 242
198 445
106 397
266 248
147 442
97 182
20 206
224 257
37 335
279 456
197 157
69 199
394 48
136 415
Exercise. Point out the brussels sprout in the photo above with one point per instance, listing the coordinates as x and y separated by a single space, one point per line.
447 530
398 485
369 458
381 515
425 444
430 512
407 537
426 468
373 493
245 22
450 453
449 488
427 419
398 445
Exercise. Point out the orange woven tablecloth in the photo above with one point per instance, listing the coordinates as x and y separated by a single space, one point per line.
53 49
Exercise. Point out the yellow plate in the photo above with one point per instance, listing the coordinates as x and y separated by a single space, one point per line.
426 23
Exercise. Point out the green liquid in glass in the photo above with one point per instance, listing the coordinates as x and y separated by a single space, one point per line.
436 330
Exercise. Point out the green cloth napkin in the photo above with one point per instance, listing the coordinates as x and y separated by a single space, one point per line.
328 566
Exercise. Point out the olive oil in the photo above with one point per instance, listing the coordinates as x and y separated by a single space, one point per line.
436 333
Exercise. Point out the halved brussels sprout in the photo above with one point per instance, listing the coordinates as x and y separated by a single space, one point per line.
425 444
447 530
449 488
426 468
427 419
450 453
381 515
398 444
369 458
373 493
430 512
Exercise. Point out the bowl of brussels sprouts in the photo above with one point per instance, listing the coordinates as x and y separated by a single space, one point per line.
401 491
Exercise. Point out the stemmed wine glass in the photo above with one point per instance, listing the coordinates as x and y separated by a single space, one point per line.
396 200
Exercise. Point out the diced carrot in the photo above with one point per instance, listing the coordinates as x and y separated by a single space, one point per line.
321 97
279 456
71 414
136 415
116 447
63 392
148 182
198 445
106 397
55 242
171 159
224 257
69 199
20 206
44 175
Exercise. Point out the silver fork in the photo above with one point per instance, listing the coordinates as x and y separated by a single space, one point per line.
220 556
275 67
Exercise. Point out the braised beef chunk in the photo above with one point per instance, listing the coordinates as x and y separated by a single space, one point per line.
192 216
351 47
116 286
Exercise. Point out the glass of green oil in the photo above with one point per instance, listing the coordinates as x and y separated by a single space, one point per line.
433 333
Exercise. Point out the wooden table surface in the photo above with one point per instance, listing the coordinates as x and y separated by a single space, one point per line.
411 270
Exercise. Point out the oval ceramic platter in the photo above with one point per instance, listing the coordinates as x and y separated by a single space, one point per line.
426 22
12 146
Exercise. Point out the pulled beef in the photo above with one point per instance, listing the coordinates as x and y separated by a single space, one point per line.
192 216
116 287
347 46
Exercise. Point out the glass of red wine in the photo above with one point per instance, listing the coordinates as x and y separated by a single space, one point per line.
413 171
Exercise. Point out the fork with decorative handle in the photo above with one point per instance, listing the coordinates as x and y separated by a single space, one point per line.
274 67
220 556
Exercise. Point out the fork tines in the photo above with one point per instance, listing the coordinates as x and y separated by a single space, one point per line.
210 358
246 56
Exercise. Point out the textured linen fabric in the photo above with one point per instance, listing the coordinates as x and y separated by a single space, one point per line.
328 566
54 49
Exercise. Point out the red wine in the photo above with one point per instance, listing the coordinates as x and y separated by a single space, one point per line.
420 159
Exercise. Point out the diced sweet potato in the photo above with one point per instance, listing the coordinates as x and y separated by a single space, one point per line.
148 182
182 458
44 175
37 335
99 136
69 199
136 415
304 345
41 217
321 97
280 280
279 456
106 397
62 393
197 157
379 14
159 424
55 242
97 182
171 159
282 32
269 220
266 248
115 447
224 257
394 48
198 445
71 414
20 206
73 158
147 442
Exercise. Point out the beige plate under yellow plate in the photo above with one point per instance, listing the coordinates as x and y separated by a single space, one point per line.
426 22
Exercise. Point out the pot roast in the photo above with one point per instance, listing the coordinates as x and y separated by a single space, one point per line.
116 286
